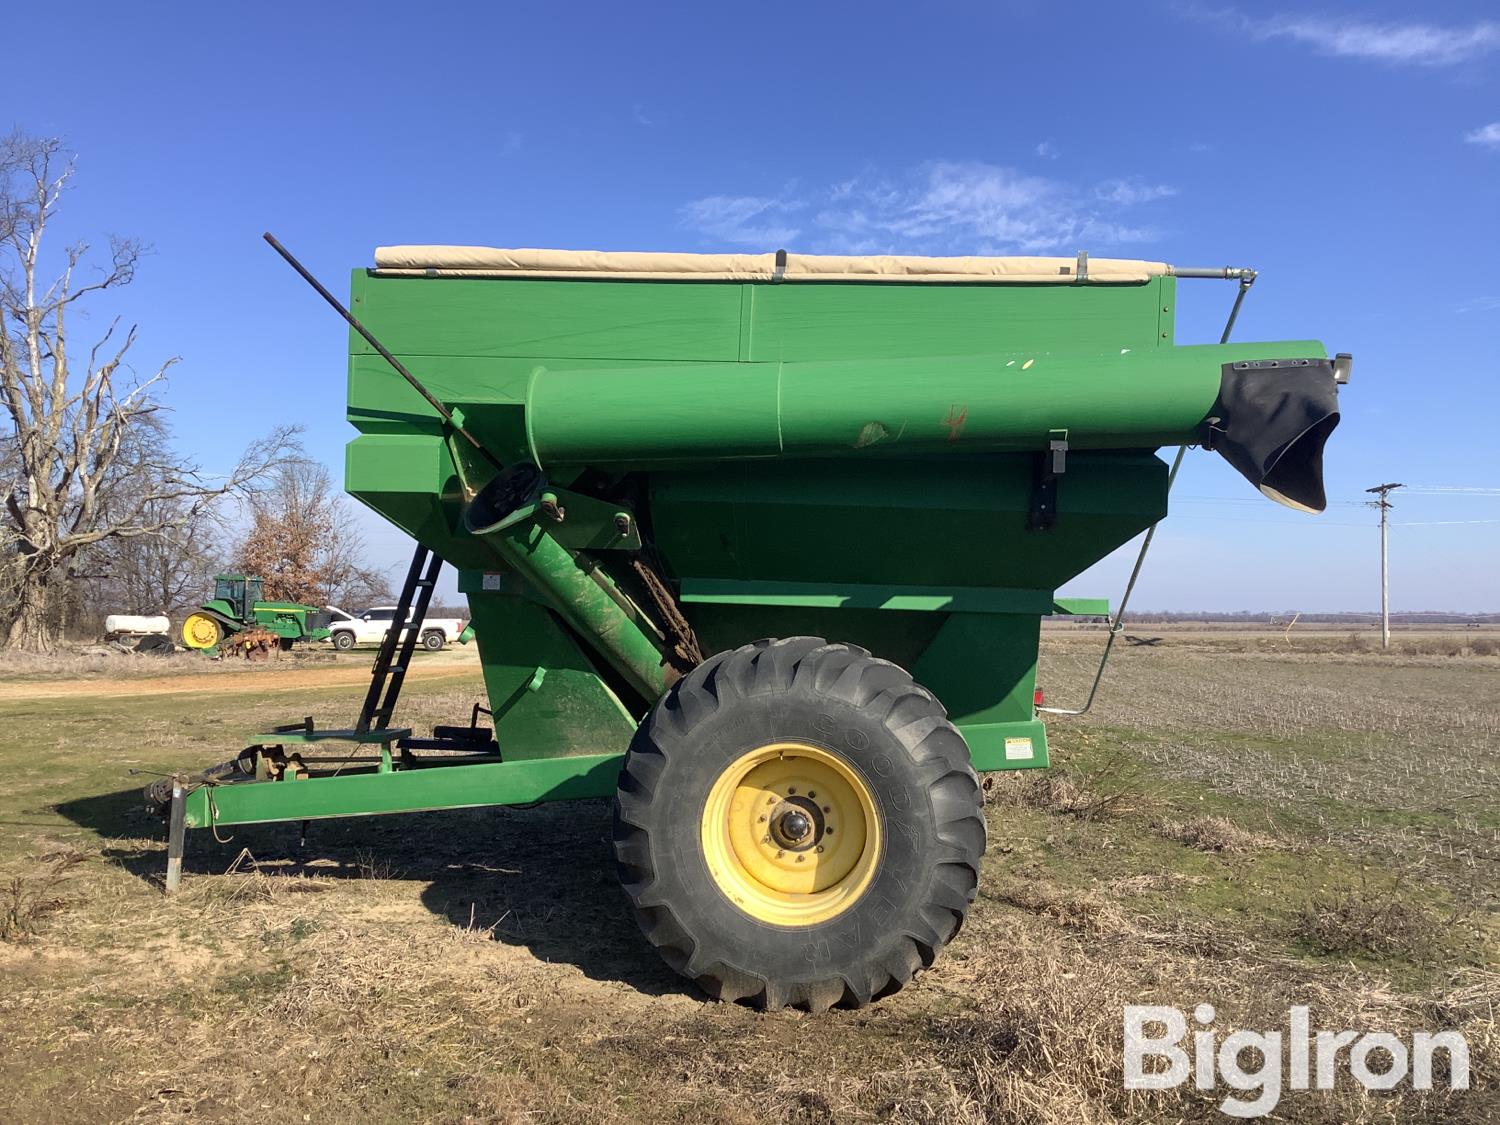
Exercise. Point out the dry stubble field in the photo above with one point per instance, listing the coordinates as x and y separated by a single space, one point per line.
1242 820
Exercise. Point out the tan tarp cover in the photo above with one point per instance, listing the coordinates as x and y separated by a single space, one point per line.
482 261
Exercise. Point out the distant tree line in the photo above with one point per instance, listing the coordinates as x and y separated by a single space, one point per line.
99 513
1253 617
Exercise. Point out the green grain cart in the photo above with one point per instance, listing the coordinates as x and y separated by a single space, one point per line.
759 546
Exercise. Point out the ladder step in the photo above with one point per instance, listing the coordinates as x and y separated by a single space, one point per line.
386 676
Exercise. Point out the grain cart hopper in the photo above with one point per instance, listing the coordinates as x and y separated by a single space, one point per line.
759 545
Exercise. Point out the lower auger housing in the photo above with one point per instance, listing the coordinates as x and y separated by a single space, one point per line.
759 546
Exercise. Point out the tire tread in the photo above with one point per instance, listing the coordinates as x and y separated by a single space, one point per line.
912 713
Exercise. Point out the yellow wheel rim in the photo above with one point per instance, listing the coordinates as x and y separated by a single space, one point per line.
791 834
200 631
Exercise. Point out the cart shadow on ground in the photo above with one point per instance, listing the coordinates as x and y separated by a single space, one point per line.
541 878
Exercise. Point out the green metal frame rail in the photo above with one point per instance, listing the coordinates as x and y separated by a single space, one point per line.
410 788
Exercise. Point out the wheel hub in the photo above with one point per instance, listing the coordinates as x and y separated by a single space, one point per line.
797 824
791 834
200 631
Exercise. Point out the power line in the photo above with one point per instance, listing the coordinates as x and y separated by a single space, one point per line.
1440 523
1453 490
1277 523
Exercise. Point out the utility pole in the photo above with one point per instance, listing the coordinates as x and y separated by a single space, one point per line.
1384 504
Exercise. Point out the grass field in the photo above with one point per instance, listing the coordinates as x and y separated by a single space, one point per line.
1240 821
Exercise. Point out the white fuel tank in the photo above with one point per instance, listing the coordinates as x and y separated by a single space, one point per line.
130 623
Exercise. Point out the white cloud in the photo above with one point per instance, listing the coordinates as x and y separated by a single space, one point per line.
742 219
944 207
1414 44
1047 151
1133 190
1480 304
640 116
843 189
1487 135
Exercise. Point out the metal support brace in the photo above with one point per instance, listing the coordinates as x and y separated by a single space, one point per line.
1049 466
1246 278
1117 625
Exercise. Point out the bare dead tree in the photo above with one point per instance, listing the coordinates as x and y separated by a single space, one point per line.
165 572
70 412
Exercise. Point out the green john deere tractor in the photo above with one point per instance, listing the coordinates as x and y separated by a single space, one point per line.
239 618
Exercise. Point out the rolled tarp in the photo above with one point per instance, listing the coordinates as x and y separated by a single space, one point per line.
492 261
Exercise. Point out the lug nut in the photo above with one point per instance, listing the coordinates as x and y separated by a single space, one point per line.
800 858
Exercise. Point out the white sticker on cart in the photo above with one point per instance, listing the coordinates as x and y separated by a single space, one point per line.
1018 748
492 580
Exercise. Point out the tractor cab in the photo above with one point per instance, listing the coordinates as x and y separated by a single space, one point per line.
240 592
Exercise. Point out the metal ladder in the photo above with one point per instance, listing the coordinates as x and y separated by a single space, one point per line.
389 671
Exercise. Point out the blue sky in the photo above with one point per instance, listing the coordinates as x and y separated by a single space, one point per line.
1349 153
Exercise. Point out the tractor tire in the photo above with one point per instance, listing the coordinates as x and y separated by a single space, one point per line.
343 640
433 641
202 632
798 823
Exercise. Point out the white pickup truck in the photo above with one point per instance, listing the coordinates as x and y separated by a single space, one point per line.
349 629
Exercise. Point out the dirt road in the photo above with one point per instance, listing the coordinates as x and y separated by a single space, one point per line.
227 682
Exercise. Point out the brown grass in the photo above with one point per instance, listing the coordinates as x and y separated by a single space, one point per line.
101 661
29 897
1215 834
482 965
1371 920
1093 794
1453 645
1086 912
1040 1042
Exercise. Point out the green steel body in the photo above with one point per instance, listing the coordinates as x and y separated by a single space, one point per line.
853 461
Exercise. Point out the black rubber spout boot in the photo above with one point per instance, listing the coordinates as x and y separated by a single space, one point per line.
1271 421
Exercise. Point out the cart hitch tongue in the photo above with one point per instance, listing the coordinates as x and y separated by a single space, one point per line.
159 792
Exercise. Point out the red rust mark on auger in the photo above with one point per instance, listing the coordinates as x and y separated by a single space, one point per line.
958 416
